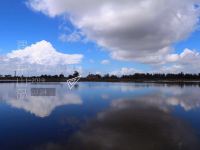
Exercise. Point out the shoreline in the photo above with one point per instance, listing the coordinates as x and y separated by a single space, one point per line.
112 81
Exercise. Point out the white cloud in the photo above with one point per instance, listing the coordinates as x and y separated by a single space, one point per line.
187 61
45 54
105 62
172 57
72 37
125 71
39 58
141 30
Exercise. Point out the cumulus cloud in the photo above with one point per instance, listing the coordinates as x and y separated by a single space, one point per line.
141 30
72 37
44 53
125 71
186 61
40 56
105 62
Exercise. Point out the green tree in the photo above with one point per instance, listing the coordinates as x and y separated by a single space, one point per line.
76 74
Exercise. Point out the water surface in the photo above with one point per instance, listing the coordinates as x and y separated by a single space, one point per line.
99 116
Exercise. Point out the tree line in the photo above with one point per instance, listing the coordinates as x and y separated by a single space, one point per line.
107 77
146 77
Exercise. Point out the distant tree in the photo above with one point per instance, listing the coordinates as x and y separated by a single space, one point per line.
94 77
113 77
76 74
8 76
98 76
70 76
56 76
106 76
61 76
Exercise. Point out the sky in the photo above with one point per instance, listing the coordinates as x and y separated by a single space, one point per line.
92 36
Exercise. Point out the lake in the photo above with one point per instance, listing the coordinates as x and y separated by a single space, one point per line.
99 116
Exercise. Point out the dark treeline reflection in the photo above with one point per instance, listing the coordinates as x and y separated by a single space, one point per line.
130 125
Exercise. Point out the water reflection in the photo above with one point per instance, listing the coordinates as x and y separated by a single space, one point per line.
37 98
100 116
43 91
188 98
136 125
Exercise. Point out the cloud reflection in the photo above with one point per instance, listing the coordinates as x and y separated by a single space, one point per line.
136 125
41 101
187 98
43 106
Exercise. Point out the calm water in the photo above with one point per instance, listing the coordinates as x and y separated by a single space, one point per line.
99 116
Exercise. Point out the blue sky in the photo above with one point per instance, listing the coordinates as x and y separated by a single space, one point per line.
21 20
